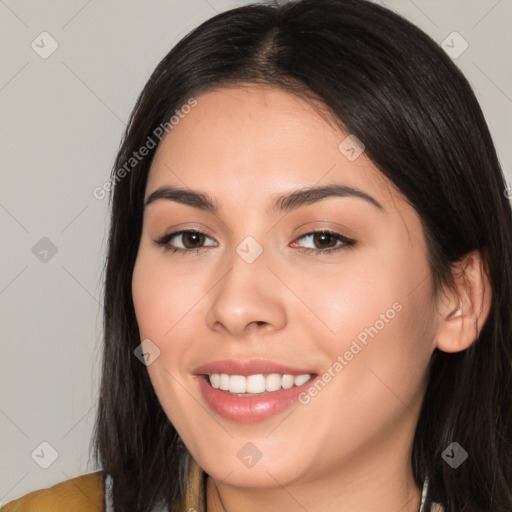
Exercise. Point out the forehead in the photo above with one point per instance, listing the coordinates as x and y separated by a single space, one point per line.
249 143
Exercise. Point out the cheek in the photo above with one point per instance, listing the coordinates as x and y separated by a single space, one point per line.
163 298
375 369
164 307
375 320
152 299
346 300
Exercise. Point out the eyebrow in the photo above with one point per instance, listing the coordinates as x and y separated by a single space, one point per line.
281 203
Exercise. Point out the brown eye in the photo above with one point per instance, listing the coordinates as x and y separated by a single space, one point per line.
192 239
184 241
324 242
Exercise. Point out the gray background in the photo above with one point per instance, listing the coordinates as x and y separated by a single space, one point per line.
61 122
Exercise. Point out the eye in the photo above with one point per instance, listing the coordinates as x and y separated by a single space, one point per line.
183 241
189 239
327 241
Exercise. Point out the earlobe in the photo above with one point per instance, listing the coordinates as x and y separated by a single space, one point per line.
465 308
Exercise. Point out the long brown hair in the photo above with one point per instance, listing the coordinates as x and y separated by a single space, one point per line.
390 85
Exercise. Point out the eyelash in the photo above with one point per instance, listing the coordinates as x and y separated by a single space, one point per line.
346 242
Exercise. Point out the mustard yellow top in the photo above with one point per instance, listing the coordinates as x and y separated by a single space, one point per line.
84 493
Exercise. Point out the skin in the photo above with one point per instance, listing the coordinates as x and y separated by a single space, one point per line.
349 448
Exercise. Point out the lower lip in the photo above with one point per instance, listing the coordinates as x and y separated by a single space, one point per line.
249 409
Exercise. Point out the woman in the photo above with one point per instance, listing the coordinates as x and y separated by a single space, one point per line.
306 305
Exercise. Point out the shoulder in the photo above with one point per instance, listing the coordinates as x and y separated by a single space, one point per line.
81 494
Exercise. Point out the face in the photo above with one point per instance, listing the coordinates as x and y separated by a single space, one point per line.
241 289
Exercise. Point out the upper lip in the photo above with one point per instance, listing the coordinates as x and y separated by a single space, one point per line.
248 367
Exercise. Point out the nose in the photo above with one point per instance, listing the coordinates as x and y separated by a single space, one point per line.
247 299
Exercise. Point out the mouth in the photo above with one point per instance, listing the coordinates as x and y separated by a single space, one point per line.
250 391
256 384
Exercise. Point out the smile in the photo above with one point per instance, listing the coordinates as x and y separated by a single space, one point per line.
257 384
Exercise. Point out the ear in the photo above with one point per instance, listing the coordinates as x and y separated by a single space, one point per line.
464 310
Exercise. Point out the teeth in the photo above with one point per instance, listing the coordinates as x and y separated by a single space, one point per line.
237 384
288 381
255 384
273 382
301 379
224 382
215 380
